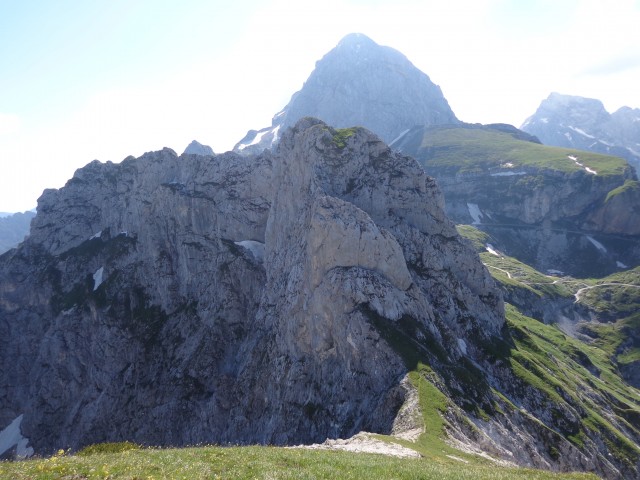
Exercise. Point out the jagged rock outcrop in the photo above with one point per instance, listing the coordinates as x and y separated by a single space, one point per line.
196 148
13 229
359 83
177 300
584 124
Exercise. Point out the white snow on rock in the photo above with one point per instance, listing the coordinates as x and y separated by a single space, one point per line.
399 136
544 120
256 248
619 264
255 140
507 174
597 244
475 212
462 345
97 278
11 437
97 235
587 169
275 135
492 250
581 132
568 135
557 273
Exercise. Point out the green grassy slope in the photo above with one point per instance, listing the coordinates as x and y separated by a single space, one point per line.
260 463
478 149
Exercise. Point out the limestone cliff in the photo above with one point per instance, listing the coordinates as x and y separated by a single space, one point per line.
177 300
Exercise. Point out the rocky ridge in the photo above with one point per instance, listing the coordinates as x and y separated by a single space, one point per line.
359 83
177 300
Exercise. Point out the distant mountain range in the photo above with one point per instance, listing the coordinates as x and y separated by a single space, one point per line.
14 227
583 123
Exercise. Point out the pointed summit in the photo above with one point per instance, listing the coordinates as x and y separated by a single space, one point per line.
196 148
360 83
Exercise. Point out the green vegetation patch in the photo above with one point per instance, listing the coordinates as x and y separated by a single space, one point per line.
629 186
576 376
341 135
261 463
471 150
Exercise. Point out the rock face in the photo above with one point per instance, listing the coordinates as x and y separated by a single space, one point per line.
13 229
583 123
359 83
179 300
196 148
544 204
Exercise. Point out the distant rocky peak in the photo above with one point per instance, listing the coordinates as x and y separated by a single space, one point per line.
196 148
359 83
584 123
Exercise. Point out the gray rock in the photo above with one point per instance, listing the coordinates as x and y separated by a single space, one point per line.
359 83
196 148
583 123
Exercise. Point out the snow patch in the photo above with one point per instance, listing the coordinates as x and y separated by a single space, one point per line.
507 165
555 272
255 140
581 165
492 250
619 264
462 345
597 244
568 135
97 235
399 136
97 278
11 437
275 135
475 212
256 248
544 120
507 174
581 132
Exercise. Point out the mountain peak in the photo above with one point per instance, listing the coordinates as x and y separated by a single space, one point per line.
360 83
196 148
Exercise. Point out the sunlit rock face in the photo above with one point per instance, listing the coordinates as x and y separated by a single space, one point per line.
360 83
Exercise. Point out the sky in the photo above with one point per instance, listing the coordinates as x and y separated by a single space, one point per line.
105 79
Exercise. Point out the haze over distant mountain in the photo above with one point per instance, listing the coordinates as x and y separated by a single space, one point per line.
583 123
13 228
196 148
360 83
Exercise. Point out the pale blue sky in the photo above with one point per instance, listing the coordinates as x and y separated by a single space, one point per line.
83 80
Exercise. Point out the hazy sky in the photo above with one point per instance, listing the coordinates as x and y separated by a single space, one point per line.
104 79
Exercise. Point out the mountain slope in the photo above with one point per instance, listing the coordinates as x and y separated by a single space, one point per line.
554 208
583 123
359 83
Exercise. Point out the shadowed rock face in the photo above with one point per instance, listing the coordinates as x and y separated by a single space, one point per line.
359 83
179 300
